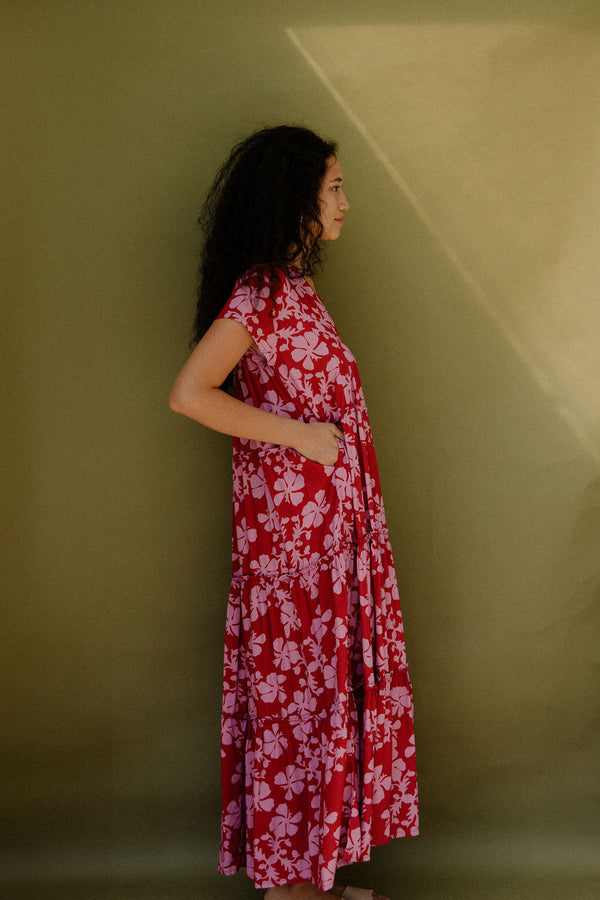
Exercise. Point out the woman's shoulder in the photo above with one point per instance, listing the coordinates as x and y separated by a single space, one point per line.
273 277
262 289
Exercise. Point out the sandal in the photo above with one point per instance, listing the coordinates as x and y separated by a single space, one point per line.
354 893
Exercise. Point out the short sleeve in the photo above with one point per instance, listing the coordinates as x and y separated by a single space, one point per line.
254 303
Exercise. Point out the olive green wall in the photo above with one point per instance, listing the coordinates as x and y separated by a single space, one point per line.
465 283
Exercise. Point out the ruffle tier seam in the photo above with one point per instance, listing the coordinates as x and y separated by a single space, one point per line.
384 681
262 575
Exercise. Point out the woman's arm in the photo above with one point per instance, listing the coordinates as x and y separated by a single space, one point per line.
196 393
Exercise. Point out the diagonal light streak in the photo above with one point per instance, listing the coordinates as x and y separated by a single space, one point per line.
569 417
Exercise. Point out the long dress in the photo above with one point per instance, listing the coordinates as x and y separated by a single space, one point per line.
317 721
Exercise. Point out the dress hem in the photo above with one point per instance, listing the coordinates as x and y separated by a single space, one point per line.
361 857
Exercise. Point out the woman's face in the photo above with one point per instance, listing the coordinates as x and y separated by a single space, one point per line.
332 201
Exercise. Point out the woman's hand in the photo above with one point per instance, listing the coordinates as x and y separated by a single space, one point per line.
318 442
197 394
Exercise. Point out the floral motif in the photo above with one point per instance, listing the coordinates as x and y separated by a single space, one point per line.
317 728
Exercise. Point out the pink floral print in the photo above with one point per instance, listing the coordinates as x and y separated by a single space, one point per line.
318 758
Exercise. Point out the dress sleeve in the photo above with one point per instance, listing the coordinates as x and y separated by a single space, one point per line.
254 302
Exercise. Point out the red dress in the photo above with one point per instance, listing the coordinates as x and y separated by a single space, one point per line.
317 730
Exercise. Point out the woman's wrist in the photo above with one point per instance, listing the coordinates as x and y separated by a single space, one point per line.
297 433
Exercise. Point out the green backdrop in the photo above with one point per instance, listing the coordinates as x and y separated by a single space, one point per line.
465 283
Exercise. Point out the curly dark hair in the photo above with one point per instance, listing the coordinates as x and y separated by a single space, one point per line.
262 209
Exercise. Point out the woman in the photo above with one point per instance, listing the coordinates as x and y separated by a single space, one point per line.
317 738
